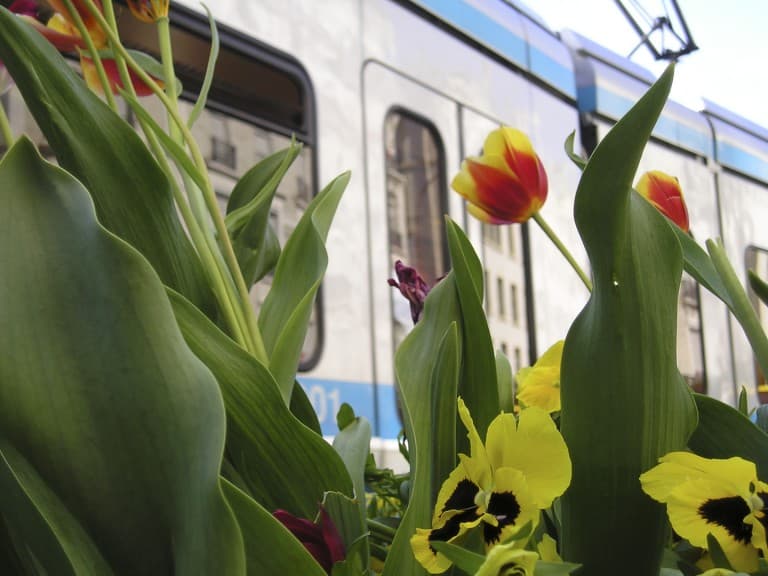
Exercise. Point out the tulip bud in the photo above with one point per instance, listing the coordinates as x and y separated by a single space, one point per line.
412 286
664 192
508 183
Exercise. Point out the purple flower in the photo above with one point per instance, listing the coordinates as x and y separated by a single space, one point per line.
412 286
321 540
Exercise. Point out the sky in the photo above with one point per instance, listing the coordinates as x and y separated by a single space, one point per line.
730 68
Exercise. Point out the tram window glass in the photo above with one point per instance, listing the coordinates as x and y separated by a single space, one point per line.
757 259
690 344
258 99
416 202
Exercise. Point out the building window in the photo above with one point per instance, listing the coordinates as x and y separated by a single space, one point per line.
514 305
416 203
500 294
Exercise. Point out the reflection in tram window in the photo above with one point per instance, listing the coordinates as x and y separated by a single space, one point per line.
757 260
690 345
416 202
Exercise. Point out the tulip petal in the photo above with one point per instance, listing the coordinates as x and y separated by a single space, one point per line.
62 40
664 192
95 31
113 76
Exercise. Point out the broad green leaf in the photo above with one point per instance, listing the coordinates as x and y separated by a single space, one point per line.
284 464
555 568
716 553
759 287
466 560
741 307
699 265
761 417
285 314
41 520
580 162
724 432
478 381
414 366
269 547
505 382
248 209
444 387
624 403
99 394
352 443
345 514
302 408
132 194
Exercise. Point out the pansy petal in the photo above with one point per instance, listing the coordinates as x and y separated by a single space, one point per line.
511 505
541 395
677 468
477 464
421 542
701 507
508 560
536 448
457 493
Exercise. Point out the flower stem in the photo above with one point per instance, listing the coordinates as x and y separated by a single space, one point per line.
5 127
539 219
94 53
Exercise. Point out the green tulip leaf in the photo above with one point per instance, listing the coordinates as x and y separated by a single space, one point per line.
699 265
283 463
466 560
724 432
478 385
101 401
759 287
132 194
213 56
580 162
624 403
444 387
506 382
269 547
302 408
248 210
353 443
416 364
286 311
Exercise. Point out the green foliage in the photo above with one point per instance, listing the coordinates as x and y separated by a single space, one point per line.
87 434
132 195
620 353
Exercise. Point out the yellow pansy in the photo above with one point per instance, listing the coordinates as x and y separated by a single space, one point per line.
501 486
710 496
539 385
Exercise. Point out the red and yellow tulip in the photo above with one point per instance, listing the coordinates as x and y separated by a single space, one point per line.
149 10
664 192
61 31
508 183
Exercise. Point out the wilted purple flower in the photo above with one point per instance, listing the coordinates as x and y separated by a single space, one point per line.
412 286
321 540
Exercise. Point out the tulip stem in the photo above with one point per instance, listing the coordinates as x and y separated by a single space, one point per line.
94 53
5 127
537 217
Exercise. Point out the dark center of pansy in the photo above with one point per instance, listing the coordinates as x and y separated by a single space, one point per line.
505 507
728 513
452 527
463 497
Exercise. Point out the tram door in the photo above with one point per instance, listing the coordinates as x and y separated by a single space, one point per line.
412 152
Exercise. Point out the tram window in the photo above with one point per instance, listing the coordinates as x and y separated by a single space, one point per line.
416 202
756 259
258 100
690 344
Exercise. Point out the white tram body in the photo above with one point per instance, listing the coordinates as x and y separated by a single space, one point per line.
398 92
